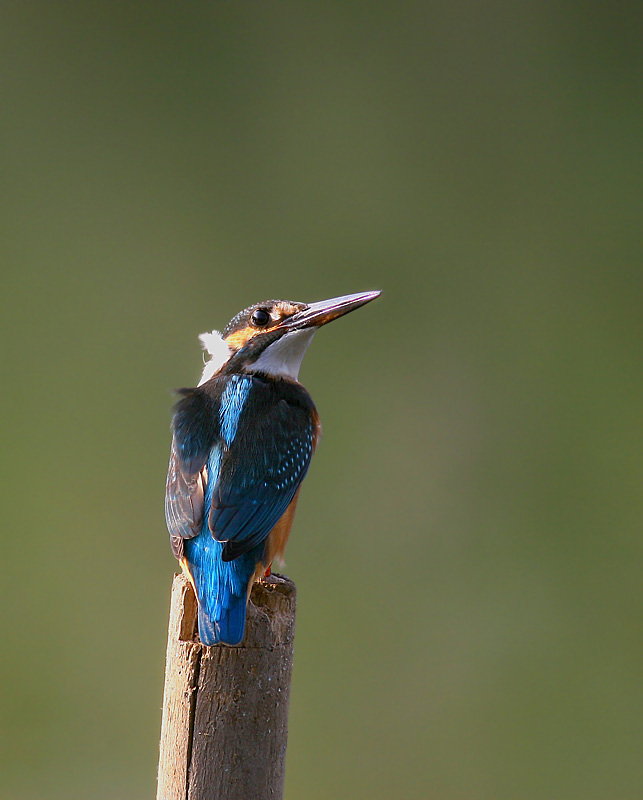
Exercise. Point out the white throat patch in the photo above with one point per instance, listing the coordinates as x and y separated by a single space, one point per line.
283 358
214 344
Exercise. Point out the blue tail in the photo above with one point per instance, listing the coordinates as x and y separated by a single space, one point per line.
222 588
226 624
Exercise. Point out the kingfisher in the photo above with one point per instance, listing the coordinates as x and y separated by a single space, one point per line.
242 441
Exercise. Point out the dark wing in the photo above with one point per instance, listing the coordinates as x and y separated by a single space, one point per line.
195 430
183 503
260 476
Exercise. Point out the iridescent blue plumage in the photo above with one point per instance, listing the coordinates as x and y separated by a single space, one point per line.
234 396
222 586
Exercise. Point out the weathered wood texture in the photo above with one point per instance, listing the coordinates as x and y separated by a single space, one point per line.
225 709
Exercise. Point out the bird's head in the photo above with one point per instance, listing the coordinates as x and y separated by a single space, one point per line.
272 337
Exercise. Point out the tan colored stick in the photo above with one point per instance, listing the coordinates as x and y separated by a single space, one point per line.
225 709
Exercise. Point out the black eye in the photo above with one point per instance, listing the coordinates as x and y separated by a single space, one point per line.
260 317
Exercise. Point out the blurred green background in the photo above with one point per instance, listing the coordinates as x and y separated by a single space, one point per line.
468 544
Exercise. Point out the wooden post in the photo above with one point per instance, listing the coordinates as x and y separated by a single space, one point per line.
225 709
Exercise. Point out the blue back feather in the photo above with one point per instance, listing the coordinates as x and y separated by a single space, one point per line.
233 399
222 586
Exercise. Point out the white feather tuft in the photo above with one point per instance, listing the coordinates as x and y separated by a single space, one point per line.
214 344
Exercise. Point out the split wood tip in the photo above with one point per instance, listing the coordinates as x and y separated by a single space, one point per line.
270 612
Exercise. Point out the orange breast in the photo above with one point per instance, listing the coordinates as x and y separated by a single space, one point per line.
277 539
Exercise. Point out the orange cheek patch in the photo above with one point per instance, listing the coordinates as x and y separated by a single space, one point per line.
237 339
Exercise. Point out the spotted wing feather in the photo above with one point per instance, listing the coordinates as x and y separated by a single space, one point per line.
261 473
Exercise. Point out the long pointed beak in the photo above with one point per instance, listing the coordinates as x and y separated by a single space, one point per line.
317 314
